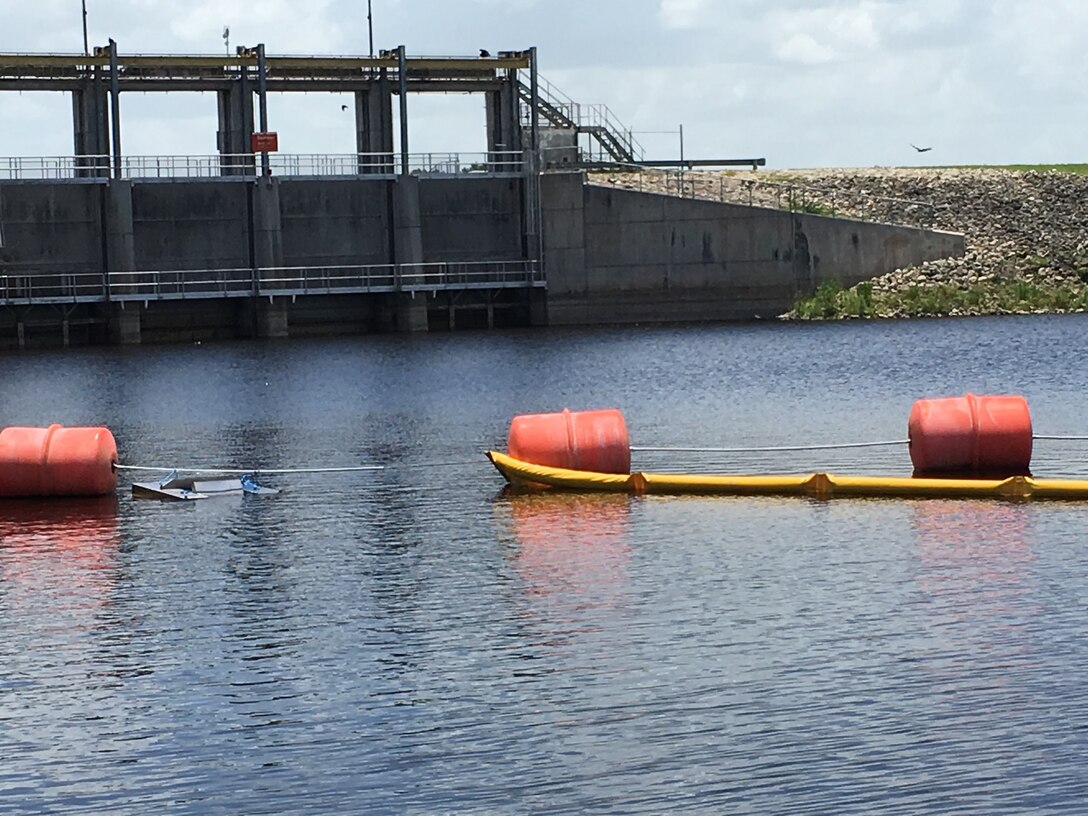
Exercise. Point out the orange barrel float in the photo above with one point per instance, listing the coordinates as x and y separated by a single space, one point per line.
57 461
979 435
577 440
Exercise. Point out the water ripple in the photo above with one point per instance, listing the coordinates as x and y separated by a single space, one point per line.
412 642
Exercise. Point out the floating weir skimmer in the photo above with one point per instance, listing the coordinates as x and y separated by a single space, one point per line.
961 447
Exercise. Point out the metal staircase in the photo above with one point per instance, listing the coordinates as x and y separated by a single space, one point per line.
608 142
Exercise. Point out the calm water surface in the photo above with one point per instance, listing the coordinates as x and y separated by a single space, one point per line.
411 641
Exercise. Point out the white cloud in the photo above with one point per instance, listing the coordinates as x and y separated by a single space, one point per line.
681 13
826 34
804 49
802 82
294 27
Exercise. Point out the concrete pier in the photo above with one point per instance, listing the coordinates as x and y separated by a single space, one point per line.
374 125
124 325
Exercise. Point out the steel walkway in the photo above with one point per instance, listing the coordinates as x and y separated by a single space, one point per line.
28 288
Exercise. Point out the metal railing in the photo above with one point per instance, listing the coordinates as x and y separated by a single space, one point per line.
430 277
421 277
50 168
796 197
27 288
496 162
179 284
609 138
326 280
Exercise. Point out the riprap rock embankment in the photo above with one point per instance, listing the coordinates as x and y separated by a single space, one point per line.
1026 226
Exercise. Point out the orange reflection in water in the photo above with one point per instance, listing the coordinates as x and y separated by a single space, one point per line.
59 545
976 571
572 545
984 541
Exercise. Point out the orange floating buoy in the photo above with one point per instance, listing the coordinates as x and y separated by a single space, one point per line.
578 440
979 435
57 461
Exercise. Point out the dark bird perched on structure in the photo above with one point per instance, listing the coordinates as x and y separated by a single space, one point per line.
921 149
484 52
343 107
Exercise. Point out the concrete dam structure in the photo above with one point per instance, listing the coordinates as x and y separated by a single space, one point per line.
131 261
106 248
624 256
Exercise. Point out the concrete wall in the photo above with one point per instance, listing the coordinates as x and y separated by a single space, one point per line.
334 221
625 256
51 227
190 224
558 147
852 251
471 219
209 224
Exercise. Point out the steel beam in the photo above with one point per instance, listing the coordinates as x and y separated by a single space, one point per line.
173 65
690 163
115 111
402 77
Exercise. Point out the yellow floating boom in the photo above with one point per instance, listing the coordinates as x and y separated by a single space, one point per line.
815 485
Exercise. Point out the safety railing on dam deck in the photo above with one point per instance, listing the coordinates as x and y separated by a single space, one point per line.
732 188
151 285
60 168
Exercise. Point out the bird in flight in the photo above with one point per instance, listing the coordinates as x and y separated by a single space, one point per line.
343 107
921 149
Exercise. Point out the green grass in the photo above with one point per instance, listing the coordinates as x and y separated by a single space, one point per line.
824 303
786 177
831 301
1077 169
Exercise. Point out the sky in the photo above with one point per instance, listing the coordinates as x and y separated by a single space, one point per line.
802 83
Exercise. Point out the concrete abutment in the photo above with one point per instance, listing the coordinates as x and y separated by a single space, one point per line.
621 256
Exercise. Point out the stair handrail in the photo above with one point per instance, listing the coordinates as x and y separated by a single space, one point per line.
591 115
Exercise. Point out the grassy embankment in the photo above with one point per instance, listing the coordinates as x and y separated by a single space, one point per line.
1019 293
832 301
1077 169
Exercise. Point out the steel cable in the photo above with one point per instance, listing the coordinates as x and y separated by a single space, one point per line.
771 449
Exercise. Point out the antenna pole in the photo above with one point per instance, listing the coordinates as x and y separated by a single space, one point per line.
370 27
86 50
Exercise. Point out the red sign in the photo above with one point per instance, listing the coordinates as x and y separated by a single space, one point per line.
265 142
